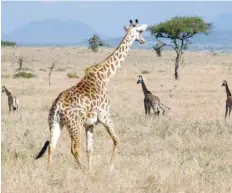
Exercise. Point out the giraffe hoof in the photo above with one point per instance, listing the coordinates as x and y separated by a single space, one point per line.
111 169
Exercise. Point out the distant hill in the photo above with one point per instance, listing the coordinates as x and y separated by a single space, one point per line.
51 31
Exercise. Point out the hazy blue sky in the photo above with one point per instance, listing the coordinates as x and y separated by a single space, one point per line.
107 17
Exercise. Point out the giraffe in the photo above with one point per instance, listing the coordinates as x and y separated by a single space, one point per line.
87 103
150 101
13 102
228 100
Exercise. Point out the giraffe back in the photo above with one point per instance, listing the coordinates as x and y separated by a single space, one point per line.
80 101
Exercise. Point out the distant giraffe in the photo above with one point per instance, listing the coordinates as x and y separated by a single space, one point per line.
13 102
87 103
228 100
150 100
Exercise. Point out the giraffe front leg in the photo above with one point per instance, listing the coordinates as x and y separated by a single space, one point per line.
145 107
226 111
75 147
89 145
9 108
106 120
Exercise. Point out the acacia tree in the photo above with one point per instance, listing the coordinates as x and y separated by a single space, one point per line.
95 42
179 30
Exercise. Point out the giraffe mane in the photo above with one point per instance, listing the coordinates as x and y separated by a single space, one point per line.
94 65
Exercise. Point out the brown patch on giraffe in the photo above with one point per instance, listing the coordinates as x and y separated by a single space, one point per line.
108 73
101 70
112 66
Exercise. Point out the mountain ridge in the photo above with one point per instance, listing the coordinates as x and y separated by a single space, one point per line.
42 31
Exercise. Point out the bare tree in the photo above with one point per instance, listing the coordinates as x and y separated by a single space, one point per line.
50 72
20 62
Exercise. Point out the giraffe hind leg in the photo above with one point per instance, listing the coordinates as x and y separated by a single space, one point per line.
156 112
162 110
74 131
54 136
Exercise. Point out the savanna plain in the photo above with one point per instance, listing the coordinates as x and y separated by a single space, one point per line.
189 150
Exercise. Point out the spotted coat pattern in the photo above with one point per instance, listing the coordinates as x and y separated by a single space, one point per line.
87 103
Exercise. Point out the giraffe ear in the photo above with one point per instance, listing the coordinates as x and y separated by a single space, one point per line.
126 28
142 28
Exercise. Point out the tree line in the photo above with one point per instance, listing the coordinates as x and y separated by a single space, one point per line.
7 43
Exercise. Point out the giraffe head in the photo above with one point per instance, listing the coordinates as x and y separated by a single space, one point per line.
224 83
3 89
136 31
140 79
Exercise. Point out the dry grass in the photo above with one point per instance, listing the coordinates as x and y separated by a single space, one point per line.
189 150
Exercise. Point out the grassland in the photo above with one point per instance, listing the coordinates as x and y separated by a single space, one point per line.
187 151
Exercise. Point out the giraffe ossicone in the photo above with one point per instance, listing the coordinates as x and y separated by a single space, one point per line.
86 104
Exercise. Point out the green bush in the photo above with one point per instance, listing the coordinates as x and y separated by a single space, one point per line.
72 75
24 75
145 72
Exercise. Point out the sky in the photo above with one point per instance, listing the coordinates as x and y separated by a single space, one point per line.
107 17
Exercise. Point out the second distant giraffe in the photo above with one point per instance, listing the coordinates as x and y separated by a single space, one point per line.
150 100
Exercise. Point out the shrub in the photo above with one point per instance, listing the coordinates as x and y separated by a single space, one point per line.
145 72
60 69
24 75
72 75
5 76
95 42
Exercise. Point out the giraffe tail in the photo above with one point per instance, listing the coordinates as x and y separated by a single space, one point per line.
43 150
164 105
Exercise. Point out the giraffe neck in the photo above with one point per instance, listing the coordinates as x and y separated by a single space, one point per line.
145 90
106 69
228 93
8 93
